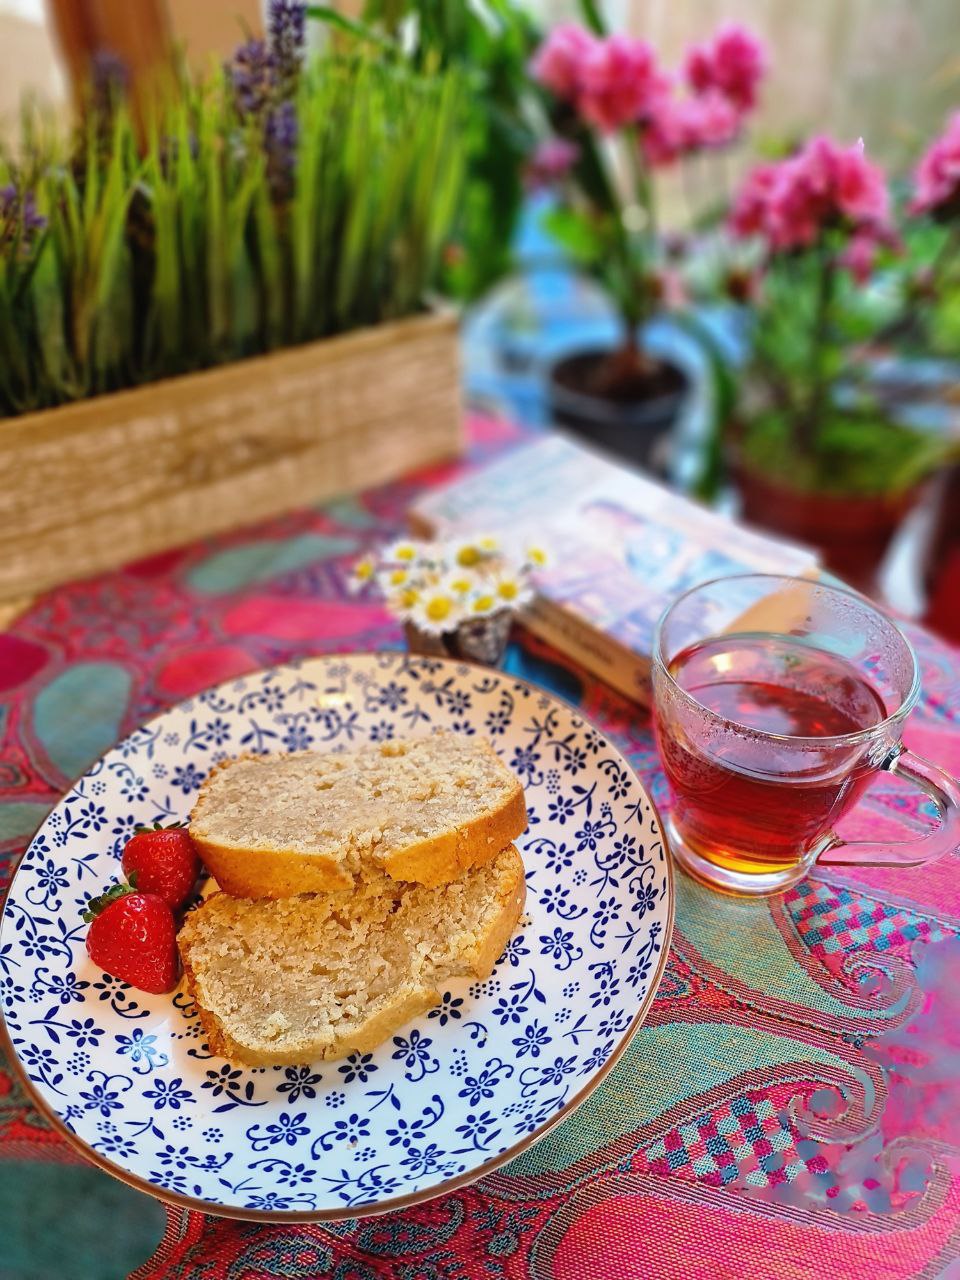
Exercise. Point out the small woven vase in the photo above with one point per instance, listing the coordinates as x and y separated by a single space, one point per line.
476 640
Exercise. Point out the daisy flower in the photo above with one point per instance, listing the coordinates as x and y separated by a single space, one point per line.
461 582
393 577
537 556
437 610
467 554
362 573
404 551
511 589
402 603
484 603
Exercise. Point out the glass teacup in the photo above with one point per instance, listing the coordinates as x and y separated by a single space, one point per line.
776 701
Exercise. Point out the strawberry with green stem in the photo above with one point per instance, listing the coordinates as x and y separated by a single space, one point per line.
133 937
164 861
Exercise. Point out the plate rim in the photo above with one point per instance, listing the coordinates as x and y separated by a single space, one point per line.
412 1198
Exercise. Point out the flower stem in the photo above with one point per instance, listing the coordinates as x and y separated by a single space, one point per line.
941 261
640 251
590 11
819 341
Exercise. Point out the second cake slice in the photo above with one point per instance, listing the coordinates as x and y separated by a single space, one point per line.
327 974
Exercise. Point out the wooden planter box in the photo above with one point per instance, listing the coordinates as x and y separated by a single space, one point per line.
91 485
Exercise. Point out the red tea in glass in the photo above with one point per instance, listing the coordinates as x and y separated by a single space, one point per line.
777 700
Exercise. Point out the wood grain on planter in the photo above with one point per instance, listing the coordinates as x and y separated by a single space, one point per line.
94 484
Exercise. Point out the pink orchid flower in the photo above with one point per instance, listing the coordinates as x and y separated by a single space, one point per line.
749 215
937 180
558 63
678 127
733 63
859 185
620 83
824 184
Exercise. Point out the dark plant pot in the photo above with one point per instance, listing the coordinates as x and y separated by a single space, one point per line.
852 533
635 424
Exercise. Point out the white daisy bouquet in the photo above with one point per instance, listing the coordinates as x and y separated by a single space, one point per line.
468 589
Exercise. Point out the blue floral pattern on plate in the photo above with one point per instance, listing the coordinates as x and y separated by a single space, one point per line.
450 1095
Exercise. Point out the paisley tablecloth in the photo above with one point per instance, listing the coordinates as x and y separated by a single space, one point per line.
790 1109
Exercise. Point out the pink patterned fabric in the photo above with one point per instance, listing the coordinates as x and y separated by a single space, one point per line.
697 1157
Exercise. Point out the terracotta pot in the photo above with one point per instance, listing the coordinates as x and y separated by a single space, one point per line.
636 428
941 569
852 533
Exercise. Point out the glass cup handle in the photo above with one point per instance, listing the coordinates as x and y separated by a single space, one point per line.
943 839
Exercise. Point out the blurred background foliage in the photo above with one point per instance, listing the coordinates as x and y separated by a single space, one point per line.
489 45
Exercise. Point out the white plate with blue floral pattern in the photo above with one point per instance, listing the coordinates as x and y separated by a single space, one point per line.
452 1095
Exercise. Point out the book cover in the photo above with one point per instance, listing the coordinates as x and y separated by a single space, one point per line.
622 547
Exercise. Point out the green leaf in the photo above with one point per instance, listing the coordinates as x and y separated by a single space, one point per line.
95 906
855 453
723 386
359 30
592 17
577 232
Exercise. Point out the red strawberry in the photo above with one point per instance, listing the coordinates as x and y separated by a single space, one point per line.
133 936
164 861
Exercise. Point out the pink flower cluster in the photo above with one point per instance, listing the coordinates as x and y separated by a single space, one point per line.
732 64
620 82
614 81
937 181
680 126
824 185
557 62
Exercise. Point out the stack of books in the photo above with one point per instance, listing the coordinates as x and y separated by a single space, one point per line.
622 547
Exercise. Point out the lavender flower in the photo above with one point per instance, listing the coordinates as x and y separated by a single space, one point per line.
109 71
280 144
251 72
264 80
109 82
287 24
20 222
